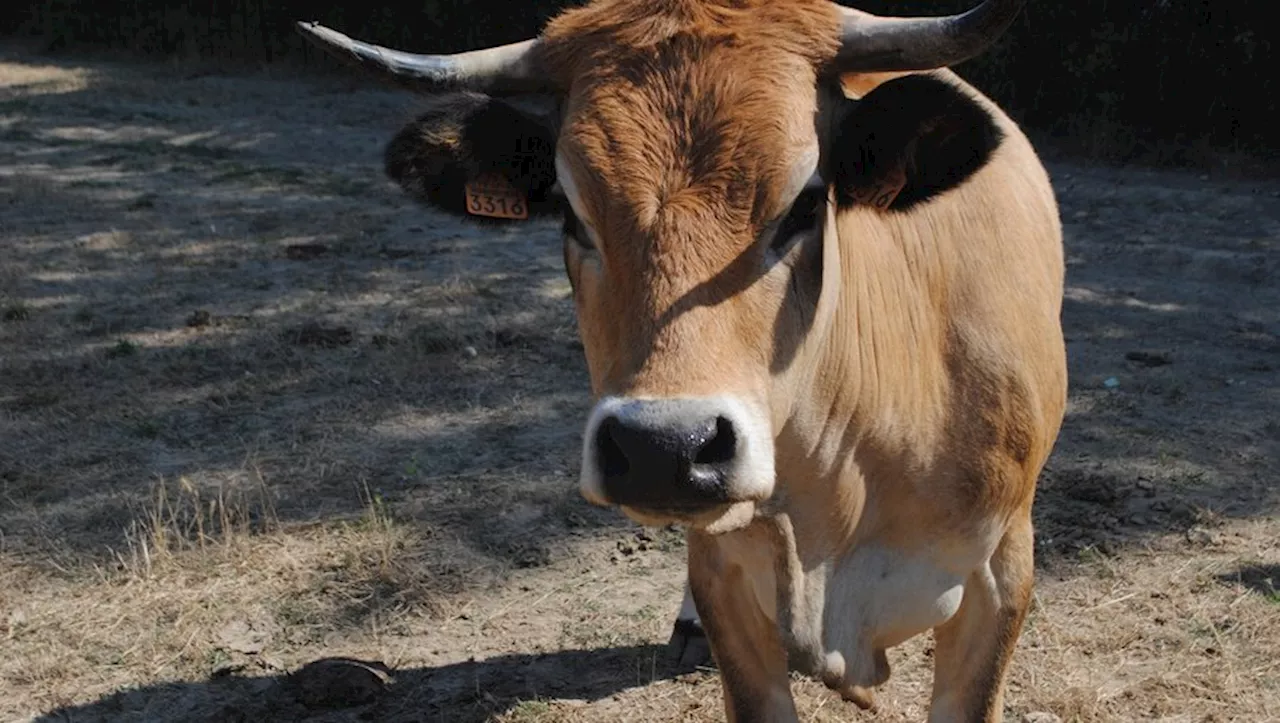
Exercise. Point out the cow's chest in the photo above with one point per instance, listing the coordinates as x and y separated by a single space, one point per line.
838 617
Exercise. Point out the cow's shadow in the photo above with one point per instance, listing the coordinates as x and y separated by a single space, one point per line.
338 689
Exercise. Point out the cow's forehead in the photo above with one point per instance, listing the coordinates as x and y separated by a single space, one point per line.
708 149
690 110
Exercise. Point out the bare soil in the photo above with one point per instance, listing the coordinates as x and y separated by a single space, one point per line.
258 410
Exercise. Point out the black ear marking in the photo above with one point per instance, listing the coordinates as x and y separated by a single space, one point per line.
917 135
463 137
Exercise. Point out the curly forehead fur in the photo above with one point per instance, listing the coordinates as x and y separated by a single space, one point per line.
590 33
689 113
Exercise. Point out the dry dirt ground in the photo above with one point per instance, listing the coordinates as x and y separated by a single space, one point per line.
257 410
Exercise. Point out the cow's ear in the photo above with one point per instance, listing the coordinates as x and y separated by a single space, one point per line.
476 156
908 140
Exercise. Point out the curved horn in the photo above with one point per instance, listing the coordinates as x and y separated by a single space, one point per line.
876 43
503 69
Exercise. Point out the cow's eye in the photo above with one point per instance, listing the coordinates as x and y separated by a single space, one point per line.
804 216
574 229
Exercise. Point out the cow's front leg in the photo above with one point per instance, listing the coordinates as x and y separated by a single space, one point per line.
688 645
731 578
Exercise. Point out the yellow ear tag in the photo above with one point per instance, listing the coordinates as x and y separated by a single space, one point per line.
883 193
493 195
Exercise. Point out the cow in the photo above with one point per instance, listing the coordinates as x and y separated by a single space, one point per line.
818 280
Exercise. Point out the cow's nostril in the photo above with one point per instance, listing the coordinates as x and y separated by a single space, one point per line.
721 447
613 461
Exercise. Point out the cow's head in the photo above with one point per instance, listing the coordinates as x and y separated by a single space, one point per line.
697 152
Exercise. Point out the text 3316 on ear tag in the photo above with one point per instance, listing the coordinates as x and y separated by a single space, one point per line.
493 196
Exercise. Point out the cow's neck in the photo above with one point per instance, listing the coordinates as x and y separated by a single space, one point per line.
860 384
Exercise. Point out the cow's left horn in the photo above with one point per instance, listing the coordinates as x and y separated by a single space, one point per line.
877 43
503 69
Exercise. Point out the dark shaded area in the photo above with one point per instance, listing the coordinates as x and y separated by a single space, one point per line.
340 690
1167 82
256 368
262 30
1156 274
1260 578
1173 348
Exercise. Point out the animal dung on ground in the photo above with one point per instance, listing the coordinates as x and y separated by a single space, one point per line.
338 682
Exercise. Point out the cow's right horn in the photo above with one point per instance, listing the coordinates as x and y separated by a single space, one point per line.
503 69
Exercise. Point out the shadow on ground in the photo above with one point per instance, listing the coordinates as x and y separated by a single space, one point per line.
347 690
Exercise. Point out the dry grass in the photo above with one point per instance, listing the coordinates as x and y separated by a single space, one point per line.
257 410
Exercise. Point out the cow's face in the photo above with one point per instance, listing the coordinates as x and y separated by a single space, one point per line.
697 155
691 239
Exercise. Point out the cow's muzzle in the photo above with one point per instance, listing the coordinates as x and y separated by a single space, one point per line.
675 459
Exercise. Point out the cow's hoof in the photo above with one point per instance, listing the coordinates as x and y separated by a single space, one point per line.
688 647
860 696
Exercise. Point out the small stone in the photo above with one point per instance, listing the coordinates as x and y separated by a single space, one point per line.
470 351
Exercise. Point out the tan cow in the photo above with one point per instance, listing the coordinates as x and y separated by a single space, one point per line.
818 280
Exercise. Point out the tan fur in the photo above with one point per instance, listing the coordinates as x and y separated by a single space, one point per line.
919 402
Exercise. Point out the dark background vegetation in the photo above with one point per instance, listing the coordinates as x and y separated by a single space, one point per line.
1183 82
